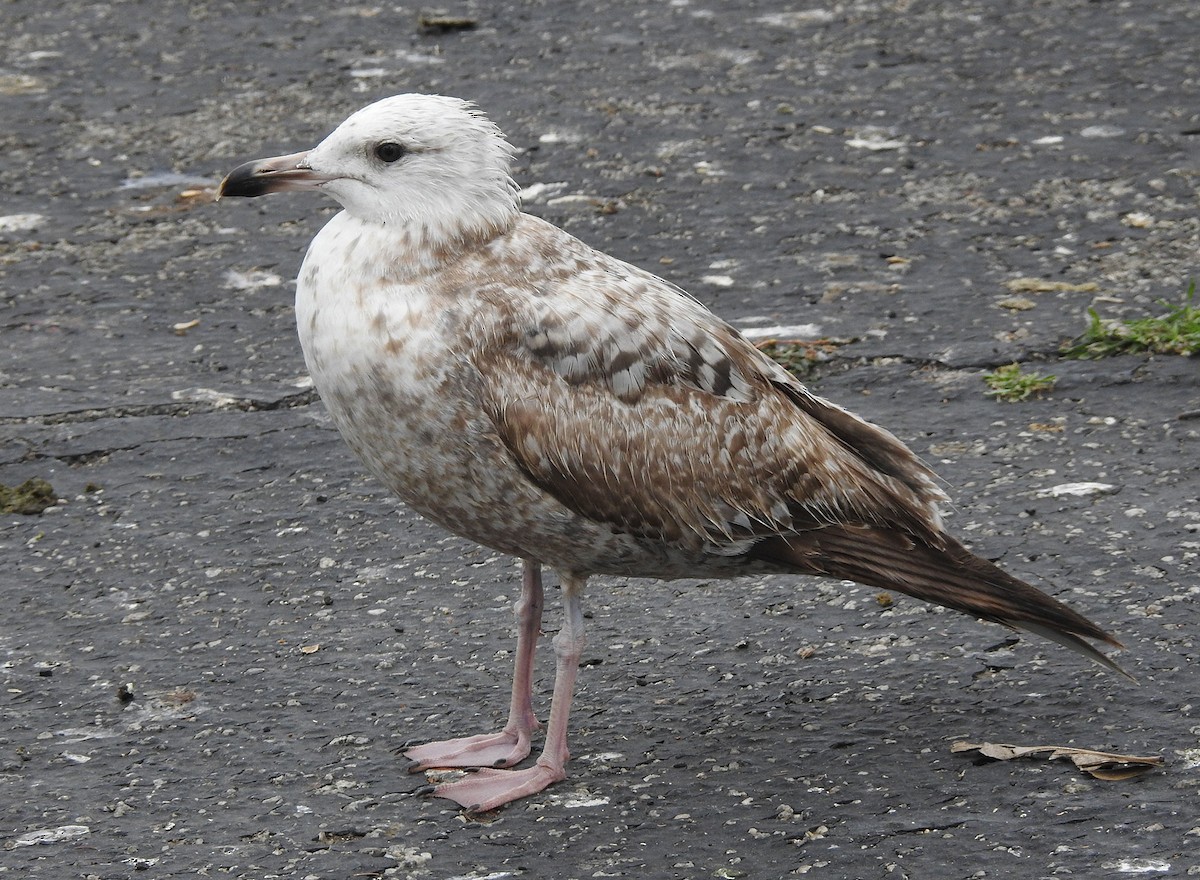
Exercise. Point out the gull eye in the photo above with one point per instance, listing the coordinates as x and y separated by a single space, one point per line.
389 152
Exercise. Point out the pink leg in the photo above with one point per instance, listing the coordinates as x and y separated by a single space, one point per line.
512 744
488 789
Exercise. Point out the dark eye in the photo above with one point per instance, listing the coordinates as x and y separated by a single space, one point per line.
389 152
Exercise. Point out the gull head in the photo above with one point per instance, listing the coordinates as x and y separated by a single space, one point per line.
432 165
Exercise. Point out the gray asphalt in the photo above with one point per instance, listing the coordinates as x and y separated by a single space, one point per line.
213 647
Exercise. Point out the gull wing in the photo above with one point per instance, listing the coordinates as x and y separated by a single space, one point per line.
633 405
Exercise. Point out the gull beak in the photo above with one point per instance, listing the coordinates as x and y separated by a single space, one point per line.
278 174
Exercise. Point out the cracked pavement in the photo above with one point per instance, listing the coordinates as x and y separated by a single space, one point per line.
214 646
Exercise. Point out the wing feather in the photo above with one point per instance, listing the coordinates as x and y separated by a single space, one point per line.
633 405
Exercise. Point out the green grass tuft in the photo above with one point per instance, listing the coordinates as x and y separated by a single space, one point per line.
1176 332
1011 384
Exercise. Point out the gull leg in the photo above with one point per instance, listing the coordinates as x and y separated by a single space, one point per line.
488 789
512 744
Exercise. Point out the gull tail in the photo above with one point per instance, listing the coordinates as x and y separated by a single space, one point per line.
950 575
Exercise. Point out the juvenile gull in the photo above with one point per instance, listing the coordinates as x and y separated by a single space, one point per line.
542 398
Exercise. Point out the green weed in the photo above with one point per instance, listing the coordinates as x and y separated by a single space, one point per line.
1176 332
1011 384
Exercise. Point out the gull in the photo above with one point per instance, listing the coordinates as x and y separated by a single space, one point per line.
542 398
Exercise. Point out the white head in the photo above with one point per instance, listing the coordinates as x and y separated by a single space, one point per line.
434 165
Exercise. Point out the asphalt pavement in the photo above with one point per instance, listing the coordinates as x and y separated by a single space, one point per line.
216 641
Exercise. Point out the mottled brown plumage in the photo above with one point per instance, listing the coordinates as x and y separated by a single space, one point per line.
535 395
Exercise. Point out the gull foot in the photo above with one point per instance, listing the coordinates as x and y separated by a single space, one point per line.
486 790
503 749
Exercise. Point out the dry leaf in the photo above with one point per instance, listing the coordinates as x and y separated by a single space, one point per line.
1039 285
437 22
202 195
1102 765
179 697
310 649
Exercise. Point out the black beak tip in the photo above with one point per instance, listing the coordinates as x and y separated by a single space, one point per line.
245 181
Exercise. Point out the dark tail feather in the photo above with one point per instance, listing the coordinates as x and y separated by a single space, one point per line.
951 575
